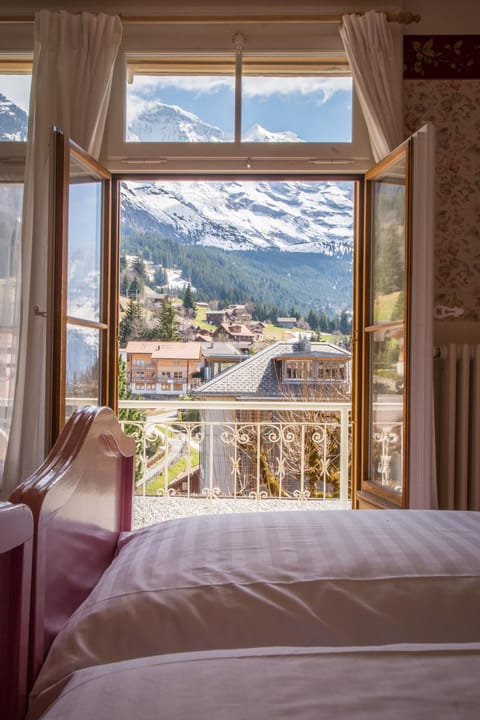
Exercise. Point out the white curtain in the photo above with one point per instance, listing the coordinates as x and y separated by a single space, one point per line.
422 470
373 47
74 56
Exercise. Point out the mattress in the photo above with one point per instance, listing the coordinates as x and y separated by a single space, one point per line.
299 579
387 683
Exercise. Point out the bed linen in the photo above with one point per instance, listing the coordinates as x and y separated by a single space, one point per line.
391 682
337 578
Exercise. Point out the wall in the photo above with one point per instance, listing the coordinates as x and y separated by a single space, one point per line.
442 86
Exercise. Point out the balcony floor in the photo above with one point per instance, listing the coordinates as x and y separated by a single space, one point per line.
150 510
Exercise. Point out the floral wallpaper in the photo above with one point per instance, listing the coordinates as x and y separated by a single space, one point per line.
453 106
441 56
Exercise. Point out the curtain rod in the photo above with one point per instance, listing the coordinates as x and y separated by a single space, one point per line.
406 18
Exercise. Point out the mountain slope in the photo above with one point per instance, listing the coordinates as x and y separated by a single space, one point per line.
13 121
236 215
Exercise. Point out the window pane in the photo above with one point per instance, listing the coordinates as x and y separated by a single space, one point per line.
180 108
387 407
14 101
388 218
84 244
82 377
11 197
296 109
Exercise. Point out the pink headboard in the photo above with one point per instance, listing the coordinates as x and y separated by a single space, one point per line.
16 539
81 499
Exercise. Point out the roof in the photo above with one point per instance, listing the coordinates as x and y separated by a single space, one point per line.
214 350
257 376
159 349
234 329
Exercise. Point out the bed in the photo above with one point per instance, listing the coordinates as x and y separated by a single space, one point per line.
16 539
336 614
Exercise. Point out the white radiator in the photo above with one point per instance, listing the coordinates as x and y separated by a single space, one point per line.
457 415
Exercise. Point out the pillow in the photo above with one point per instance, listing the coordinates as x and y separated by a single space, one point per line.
279 579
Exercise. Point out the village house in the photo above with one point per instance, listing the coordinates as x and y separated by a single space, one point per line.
282 371
219 356
162 368
286 322
234 333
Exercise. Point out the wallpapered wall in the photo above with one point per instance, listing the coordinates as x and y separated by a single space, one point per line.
442 86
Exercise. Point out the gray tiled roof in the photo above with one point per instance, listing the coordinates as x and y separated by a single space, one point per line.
258 377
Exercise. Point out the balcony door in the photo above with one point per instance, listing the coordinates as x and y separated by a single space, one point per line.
82 284
394 437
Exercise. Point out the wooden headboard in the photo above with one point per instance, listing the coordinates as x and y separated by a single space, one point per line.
81 499
16 539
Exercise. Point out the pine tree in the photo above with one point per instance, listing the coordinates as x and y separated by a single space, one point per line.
166 327
189 302
133 325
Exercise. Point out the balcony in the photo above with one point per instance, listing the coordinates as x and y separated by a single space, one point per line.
207 456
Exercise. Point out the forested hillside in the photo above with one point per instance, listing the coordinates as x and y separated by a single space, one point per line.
302 280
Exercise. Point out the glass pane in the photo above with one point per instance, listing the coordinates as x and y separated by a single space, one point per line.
11 197
181 108
14 102
83 368
388 218
296 109
84 244
386 431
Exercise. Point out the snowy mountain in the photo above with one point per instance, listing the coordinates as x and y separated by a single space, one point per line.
240 215
13 121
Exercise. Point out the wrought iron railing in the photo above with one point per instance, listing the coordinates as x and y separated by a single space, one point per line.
284 450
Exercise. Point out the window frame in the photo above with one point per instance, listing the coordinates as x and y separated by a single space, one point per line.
263 42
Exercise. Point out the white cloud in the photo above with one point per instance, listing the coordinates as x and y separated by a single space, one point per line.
17 89
148 87
323 88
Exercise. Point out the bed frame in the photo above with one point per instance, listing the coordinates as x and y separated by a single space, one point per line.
89 477
16 540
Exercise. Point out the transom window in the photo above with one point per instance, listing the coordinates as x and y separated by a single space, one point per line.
256 100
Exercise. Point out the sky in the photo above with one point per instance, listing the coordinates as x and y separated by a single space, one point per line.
316 109
17 89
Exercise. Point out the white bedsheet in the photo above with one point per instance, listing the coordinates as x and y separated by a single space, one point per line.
337 578
388 683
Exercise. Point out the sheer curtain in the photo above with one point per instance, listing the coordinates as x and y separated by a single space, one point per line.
374 50
73 64
373 47
11 200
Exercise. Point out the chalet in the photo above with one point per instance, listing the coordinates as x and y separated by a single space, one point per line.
286 322
216 317
313 370
283 371
234 332
156 368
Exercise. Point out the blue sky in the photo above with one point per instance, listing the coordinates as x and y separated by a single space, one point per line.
316 109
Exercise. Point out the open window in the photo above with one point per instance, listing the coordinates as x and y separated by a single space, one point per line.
82 284
394 318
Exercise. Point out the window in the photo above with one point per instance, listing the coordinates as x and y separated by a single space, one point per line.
189 102
298 371
15 81
204 101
